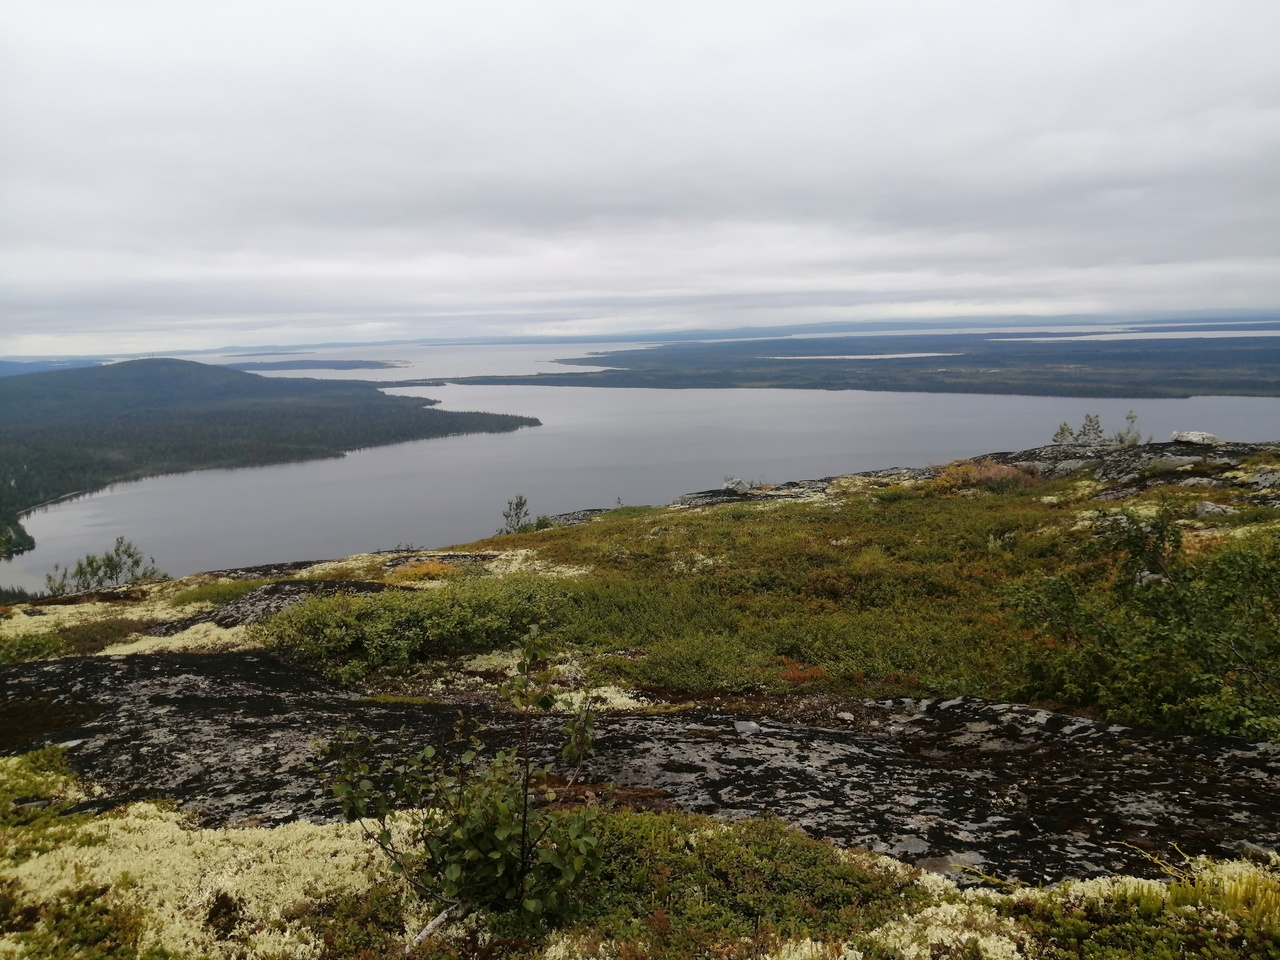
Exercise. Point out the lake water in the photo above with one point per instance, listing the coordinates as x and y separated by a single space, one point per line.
597 446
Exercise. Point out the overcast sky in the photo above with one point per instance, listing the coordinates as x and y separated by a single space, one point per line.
186 174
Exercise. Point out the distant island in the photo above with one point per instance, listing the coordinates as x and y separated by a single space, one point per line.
72 431
1010 363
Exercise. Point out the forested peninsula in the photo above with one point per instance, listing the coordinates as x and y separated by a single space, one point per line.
64 432
1025 364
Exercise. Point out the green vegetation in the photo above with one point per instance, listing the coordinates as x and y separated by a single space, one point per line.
217 593
347 635
471 834
75 640
70 431
885 589
1159 637
1013 363
1090 431
122 564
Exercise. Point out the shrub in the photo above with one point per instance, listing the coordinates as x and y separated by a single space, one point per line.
346 635
221 592
985 474
704 662
423 570
122 564
80 639
1158 637
470 834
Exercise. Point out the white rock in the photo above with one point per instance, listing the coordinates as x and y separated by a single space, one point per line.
1193 436
736 485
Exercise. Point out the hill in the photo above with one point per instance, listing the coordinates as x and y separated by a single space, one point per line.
847 655
71 431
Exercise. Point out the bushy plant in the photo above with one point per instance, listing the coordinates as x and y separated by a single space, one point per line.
122 564
467 833
704 662
347 635
984 474
1159 637
219 592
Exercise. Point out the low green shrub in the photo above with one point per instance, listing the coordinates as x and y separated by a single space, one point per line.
685 886
1157 636
347 635
218 593
471 834
706 662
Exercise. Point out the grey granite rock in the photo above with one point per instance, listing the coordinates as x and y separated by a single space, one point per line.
1026 793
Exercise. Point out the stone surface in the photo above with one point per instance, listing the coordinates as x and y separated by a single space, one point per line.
1193 436
1207 508
1017 791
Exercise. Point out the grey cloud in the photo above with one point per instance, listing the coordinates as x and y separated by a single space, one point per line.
232 163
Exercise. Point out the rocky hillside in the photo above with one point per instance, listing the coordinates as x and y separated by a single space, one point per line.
1054 666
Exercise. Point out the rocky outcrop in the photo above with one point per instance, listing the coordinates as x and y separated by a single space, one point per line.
1016 791
1123 465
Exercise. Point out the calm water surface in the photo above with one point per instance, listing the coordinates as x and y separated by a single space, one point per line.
597 446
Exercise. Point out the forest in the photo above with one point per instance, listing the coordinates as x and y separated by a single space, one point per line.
71 431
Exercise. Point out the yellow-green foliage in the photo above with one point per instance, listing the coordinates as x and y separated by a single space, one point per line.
423 570
346 635
982 474
895 589
76 640
216 593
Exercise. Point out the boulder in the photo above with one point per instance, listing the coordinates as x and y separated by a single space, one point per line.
1193 436
1207 508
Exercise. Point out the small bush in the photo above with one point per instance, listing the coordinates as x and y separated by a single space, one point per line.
1160 637
219 593
706 662
423 570
78 640
122 564
347 635
984 475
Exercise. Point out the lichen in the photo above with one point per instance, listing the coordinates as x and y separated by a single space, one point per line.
205 637
954 926
157 863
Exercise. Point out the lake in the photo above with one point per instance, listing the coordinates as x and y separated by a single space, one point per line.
597 446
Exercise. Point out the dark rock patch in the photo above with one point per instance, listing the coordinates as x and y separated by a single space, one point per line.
1016 791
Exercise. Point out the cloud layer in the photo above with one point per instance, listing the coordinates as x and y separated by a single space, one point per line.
196 174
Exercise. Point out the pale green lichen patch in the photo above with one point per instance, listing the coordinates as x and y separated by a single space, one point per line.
528 561
360 566
179 877
954 927
203 637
